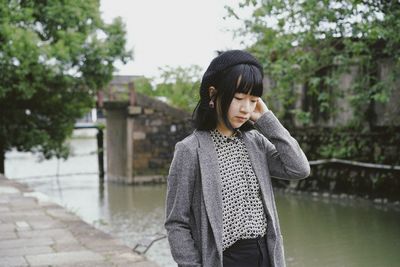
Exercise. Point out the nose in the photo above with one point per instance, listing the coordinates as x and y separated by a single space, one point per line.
245 107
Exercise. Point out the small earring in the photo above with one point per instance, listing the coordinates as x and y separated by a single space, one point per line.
211 103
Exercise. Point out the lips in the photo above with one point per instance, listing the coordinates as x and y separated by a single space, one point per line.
241 118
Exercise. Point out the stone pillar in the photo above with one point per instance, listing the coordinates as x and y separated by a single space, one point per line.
129 149
116 140
132 112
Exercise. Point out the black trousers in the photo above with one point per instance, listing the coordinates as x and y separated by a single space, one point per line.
247 253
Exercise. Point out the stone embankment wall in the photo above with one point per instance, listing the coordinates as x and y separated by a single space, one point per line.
381 146
141 138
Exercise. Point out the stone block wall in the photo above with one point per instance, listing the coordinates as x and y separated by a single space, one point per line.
155 134
382 114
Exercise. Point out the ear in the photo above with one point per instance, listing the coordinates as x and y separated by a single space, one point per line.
212 91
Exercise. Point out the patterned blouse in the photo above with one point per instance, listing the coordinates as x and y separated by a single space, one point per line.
243 214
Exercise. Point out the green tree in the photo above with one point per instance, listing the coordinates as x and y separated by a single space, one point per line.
311 43
180 86
54 55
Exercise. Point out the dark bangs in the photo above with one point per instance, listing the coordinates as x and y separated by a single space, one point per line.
249 80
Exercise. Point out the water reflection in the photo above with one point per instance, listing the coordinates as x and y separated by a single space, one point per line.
336 233
317 232
137 212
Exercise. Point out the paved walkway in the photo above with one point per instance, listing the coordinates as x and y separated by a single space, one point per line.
37 233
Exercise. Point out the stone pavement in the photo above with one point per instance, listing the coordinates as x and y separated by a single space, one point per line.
39 233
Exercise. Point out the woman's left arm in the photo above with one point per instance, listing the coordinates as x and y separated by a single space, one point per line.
285 158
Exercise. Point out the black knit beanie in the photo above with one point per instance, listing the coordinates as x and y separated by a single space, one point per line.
224 61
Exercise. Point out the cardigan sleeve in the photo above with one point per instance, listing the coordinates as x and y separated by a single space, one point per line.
178 207
286 160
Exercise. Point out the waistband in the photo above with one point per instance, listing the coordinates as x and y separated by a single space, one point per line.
249 241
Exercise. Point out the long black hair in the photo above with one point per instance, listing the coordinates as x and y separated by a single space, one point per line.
240 78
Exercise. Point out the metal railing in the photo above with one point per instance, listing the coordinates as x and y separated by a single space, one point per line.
355 163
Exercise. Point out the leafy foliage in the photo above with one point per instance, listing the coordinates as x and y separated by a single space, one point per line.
179 86
53 57
312 43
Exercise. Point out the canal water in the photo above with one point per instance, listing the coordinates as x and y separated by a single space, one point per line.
317 232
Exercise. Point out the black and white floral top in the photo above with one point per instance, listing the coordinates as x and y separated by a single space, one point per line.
243 214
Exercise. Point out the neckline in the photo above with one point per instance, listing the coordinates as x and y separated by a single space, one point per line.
236 134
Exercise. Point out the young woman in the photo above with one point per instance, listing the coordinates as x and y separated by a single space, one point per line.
220 208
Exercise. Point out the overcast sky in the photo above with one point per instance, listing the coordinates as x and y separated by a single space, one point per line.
171 32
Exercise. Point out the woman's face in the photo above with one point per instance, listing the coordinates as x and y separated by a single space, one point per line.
240 109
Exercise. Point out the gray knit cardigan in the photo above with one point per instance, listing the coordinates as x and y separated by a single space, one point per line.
194 204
